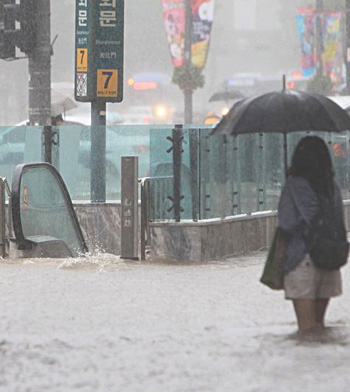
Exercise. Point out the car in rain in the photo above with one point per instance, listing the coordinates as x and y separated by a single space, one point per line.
158 114
82 114
343 101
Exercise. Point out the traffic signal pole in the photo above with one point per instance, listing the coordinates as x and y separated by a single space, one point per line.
39 63
33 37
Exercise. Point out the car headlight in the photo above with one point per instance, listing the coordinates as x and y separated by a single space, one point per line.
161 111
224 111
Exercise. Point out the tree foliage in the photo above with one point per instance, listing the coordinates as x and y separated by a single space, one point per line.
188 77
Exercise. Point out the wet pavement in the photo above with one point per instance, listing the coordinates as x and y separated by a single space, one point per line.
105 324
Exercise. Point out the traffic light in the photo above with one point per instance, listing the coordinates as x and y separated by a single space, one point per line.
28 21
7 29
24 37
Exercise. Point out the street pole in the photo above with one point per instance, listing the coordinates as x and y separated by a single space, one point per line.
98 138
347 45
39 64
188 61
98 151
319 9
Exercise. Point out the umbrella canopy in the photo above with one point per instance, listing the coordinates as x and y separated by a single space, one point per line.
60 103
226 95
283 112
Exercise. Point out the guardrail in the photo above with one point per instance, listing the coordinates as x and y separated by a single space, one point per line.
5 234
162 188
145 206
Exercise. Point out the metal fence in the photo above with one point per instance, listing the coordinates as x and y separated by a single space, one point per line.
219 176
192 175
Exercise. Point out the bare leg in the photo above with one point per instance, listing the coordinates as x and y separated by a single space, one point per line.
321 307
305 310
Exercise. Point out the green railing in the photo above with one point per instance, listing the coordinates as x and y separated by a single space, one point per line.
71 153
229 175
192 175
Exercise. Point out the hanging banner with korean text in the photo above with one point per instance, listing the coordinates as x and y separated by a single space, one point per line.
202 20
99 47
174 15
306 24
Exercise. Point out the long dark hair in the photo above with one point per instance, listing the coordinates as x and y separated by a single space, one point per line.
312 160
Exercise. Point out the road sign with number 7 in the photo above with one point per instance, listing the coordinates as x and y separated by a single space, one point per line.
99 46
107 83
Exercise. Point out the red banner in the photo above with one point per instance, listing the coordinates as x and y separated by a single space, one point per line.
174 15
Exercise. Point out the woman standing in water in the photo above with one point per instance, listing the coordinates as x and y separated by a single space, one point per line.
310 178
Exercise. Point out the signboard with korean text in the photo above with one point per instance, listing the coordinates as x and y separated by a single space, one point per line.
82 49
99 46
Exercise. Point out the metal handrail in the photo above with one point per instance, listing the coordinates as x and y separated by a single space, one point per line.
4 238
7 186
145 230
23 243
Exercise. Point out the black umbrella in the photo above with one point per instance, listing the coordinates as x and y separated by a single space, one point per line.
226 95
283 112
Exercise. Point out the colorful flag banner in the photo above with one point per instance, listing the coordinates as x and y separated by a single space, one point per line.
174 15
306 24
330 39
202 20
331 34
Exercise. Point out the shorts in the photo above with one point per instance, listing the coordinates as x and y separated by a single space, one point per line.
308 282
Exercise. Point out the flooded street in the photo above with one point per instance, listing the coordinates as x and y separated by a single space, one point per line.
103 324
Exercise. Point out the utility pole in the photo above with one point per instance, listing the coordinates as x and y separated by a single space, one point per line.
39 64
188 62
98 151
347 45
319 44
31 37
